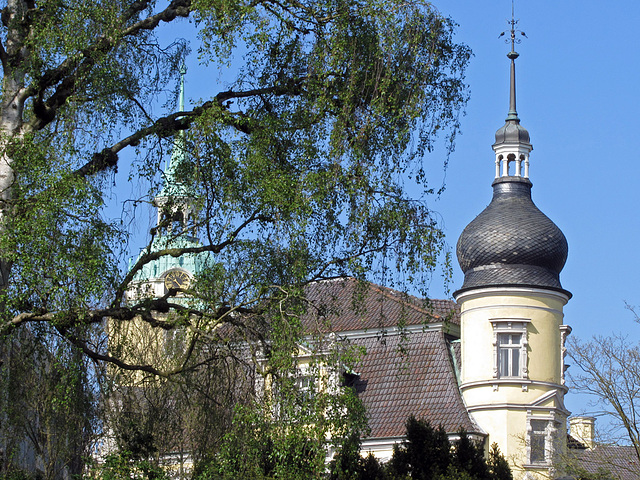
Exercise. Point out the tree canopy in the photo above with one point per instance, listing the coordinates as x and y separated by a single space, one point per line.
298 166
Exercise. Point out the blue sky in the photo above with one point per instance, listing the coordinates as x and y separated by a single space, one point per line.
577 85
578 95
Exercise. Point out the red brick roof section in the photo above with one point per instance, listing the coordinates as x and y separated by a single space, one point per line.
346 305
409 375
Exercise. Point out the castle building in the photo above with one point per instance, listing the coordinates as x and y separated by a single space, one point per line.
491 363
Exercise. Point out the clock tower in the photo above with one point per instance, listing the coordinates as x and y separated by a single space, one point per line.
175 227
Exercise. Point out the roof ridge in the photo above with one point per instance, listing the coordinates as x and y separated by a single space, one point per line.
386 291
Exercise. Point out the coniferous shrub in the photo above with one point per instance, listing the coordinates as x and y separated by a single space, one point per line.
425 454
498 465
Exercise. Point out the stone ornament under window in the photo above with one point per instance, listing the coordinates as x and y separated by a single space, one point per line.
510 348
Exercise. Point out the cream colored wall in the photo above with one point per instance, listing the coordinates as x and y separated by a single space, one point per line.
545 316
137 343
501 406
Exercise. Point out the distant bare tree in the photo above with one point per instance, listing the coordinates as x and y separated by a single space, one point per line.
608 369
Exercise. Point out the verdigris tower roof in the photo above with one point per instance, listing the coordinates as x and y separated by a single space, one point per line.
173 186
176 214
512 243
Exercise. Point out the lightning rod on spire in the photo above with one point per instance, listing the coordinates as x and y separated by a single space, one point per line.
183 73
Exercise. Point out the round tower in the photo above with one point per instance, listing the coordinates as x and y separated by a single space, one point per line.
512 329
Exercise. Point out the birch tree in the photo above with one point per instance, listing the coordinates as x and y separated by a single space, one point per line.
300 162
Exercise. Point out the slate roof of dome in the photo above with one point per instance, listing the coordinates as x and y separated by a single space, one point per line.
512 132
512 243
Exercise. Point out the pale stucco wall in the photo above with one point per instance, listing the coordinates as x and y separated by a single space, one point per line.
502 407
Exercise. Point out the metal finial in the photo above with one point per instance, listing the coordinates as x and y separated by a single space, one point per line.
512 55
183 72
513 23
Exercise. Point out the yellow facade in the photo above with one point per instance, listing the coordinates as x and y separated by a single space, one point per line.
512 378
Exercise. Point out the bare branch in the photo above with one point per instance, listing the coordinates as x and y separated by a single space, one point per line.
177 252
70 70
175 122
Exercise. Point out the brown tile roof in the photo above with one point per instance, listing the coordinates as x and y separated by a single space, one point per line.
400 375
615 462
347 304
418 381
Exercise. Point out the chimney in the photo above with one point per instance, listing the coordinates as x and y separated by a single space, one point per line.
583 430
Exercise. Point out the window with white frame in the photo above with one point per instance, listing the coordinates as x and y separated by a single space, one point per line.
510 348
542 439
306 383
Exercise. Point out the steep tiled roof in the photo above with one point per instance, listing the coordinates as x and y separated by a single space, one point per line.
615 462
409 375
348 305
405 371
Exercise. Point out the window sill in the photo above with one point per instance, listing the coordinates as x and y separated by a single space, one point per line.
531 466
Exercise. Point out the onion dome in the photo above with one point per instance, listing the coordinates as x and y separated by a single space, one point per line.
512 243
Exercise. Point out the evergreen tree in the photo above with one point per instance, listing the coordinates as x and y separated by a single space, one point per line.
427 454
469 457
498 465
424 454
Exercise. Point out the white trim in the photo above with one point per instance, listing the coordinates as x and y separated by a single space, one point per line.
565 331
513 381
544 397
502 305
518 291
382 441
446 327
381 447
381 444
509 320
516 406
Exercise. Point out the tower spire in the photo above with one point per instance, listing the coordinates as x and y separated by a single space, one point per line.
183 72
512 55
172 186
512 144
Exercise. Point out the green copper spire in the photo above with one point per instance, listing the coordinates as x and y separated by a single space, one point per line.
183 72
177 215
172 186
